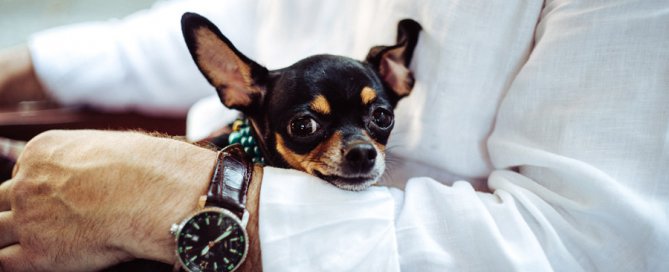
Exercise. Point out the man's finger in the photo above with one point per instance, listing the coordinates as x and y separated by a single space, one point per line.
7 229
14 258
4 195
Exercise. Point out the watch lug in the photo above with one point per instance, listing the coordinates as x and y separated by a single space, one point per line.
245 218
174 229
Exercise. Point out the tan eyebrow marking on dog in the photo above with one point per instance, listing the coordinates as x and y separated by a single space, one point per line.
368 95
320 104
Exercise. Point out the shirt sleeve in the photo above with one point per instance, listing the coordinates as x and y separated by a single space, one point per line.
139 62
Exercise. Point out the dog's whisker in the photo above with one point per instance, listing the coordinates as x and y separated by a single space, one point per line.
392 162
388 176
394 146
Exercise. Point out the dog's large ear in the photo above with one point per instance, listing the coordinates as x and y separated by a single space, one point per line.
239 81
392 62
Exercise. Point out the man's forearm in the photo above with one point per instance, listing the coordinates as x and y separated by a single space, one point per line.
18 80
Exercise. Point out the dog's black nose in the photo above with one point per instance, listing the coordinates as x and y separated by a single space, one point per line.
360 157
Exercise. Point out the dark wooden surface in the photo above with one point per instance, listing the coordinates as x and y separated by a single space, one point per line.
28 119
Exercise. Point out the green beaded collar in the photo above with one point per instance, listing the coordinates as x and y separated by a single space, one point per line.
241 134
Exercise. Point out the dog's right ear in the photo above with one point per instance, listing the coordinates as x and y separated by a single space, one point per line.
239 81
392 62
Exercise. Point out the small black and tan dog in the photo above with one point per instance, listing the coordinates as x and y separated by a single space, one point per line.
329 116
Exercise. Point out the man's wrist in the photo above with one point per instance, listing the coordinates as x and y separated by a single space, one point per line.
253 260
252 190
188 180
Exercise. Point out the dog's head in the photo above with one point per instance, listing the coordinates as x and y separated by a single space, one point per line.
329 116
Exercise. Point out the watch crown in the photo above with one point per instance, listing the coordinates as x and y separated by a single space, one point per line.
174 229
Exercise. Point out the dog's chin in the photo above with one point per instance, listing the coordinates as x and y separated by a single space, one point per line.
350 183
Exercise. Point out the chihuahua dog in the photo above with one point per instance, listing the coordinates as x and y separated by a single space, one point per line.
329 116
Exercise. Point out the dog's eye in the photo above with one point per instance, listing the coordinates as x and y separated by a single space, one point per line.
382 118
303 126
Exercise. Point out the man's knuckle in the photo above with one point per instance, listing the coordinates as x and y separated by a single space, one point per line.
20 188
45 142
42 141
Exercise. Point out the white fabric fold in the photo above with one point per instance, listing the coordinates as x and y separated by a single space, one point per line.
355 230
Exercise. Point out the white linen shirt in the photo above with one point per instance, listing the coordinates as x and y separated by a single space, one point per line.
559 108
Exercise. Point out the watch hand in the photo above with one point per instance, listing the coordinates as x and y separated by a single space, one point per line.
225 234
204 250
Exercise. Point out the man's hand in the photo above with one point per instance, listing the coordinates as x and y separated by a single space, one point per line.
18 80
83 200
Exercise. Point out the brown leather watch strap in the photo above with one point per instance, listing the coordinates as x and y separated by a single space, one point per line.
230 180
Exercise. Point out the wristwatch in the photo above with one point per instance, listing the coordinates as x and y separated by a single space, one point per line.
214 238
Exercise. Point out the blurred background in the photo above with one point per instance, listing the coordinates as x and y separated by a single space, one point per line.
20 18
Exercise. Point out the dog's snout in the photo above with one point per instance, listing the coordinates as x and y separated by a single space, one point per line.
361 156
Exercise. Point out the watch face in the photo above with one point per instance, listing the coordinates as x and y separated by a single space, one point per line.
212 240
